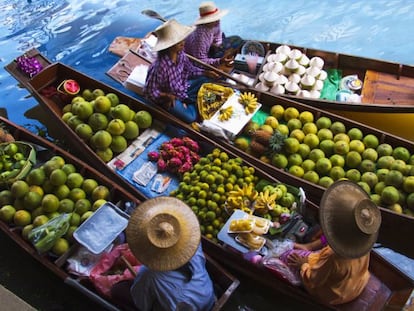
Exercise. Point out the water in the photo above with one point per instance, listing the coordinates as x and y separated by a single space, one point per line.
78 34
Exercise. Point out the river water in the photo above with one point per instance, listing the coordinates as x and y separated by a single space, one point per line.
79 32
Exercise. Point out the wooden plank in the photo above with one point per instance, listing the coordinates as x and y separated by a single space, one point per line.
384 88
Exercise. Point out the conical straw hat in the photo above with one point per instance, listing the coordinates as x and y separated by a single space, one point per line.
163 233
170 33
209 13
349 219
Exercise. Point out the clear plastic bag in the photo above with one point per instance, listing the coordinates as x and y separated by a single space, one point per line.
45 236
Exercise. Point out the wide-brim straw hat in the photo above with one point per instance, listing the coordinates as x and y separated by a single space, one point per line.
170 33
209 13
349 219
163 233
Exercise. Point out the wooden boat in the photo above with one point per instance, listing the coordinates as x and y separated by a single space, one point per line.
386 94
386 100
395 291
225 282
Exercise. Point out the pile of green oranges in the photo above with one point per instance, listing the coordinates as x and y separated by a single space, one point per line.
103 122
322 151
47 191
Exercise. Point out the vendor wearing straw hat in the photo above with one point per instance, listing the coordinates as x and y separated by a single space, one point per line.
164 235
350 221
207 42
173 80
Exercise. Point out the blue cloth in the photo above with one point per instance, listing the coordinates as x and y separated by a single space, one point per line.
164 290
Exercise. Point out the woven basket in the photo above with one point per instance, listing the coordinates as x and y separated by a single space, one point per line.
210 98
15 174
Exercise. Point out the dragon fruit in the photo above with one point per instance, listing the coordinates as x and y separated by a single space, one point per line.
153 155
162 165
176 142
174 162
191 144
167 146
185 167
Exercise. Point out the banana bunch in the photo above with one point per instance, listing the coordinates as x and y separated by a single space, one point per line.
266 201
242 198
249 102
225 113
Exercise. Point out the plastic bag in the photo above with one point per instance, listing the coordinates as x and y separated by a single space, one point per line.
281 270
111 269
45 236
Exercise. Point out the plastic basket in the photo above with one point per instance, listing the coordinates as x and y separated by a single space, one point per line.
210 98
8 176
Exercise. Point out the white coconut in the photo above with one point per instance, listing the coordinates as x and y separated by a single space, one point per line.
294 77
304 60
323 75
318 85
304 93
262 87
292 65
280 57
282 79
285 49
295 54
261 77
277 89
315 94
307 82
313 71
301 70
270 78
291 87
317 62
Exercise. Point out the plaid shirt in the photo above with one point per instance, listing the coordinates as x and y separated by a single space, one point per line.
166 76
199 42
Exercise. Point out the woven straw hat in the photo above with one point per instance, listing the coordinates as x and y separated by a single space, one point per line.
163 233
170 33
349 219
209 13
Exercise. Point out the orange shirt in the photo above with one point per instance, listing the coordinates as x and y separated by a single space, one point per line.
334 279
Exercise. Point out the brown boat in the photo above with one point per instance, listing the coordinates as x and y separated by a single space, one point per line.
225 282
53 75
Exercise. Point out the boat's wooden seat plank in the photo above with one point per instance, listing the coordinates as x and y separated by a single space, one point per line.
383 88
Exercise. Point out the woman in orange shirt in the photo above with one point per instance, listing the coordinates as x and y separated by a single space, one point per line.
338 272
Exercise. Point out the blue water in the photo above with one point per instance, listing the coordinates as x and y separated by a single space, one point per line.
79 32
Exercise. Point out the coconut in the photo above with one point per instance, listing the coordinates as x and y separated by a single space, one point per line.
291 88
271 58
282 79
304 93
294 77
304 60
270 78
313 71
280 57
295 54
292 65
261 76
262 87
323 75
315 94
307 82
273 66
277 89
316 61
318 85
301 70
283 49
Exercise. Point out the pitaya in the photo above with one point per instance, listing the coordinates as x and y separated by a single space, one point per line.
164 154
153 155
185 167
191 144
174 162
176 142
195 157
167 146
162 165
184 150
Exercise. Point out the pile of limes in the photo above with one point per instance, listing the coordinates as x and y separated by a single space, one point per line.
103 122
322 151
47 191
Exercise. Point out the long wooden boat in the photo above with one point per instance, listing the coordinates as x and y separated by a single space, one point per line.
386 100
52 75
225 282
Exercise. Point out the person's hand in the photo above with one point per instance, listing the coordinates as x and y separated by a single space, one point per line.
227 60
295 260
168 100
